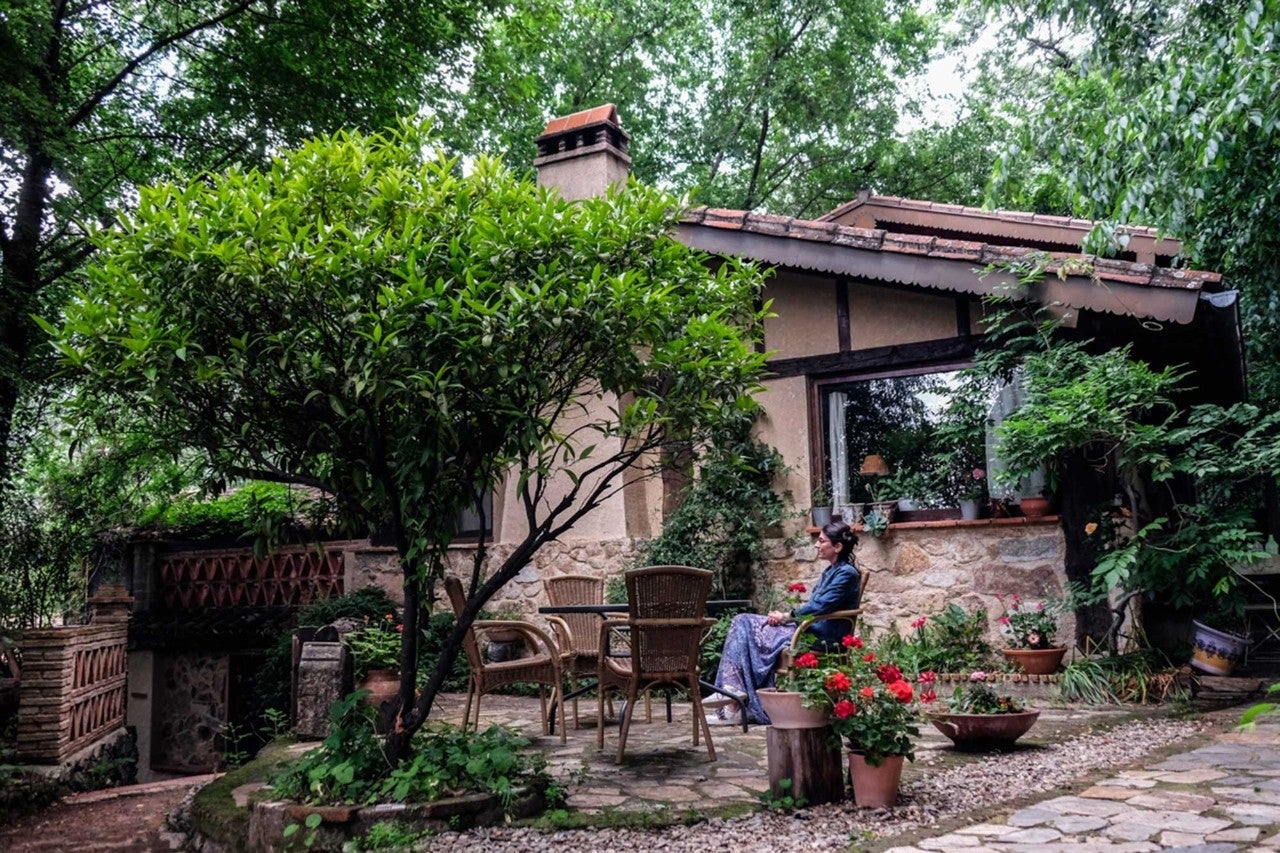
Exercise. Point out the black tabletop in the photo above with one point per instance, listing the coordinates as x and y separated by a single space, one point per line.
714 607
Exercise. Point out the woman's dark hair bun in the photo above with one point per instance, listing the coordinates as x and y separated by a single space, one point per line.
841 535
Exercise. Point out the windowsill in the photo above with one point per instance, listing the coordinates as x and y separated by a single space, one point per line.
1017 521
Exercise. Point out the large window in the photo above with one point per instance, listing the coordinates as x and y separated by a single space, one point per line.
922 436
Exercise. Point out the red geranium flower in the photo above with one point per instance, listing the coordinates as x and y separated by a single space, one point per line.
838 681
867 692
808 660
869 657
844 708
851 641
901 691
919 623
889 673
797 587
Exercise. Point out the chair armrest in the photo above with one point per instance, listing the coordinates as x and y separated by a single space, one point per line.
850 616
563 635
531 632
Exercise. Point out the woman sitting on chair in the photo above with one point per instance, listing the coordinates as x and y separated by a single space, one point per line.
754 643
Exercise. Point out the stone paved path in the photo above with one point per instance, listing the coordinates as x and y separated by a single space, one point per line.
1221 797
663 770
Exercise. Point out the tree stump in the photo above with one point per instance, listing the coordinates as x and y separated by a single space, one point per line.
808 758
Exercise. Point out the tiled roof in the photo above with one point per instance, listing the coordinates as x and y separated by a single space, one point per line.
1013 227
978 252
584 118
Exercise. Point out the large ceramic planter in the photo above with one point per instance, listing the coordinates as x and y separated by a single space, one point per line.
1036 661
382 684
875 787
975 732
786 710
1217 652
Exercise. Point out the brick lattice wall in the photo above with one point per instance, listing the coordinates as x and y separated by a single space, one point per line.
72 691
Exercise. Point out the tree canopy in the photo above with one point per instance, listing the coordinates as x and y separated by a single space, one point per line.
363 318
1165 114
97 99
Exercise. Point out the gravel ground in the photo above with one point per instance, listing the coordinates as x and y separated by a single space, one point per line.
936 797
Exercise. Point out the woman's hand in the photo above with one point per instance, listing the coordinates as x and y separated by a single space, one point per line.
777 617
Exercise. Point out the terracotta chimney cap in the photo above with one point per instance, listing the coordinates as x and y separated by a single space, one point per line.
605 113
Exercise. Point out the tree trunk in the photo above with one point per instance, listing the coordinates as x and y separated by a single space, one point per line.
808 759
1084 489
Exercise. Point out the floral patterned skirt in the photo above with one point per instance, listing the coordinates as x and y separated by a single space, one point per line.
751 651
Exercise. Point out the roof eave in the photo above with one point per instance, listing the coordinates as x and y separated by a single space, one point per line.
1174 302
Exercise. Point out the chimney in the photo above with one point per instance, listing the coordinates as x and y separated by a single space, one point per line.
583 153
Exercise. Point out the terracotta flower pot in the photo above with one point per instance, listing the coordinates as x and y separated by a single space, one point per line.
1034 507
1036 661
382 684
786 710
875 787
974 732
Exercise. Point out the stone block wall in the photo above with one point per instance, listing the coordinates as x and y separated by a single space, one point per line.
192 701
916 569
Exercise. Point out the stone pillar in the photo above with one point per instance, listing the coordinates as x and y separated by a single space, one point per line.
322 671
110 605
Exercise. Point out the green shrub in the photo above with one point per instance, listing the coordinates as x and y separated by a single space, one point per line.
350 767
950 641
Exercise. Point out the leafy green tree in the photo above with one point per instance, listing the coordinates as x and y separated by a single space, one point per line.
1166 114
99 98
363 319
785 103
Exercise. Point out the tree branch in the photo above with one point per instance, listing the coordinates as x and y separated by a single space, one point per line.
87 108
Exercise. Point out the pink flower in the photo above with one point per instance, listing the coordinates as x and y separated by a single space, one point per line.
928 697
979 474
977 675
919 623
1004 620
928 677
400 628
389 617
1040 606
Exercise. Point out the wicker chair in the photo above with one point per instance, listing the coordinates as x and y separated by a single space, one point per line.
850 617
543 668
666 620
577 634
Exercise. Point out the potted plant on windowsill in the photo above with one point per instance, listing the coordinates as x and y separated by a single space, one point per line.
820 506
1030 631
976 718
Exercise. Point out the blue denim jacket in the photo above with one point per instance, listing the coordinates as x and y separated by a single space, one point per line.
839 588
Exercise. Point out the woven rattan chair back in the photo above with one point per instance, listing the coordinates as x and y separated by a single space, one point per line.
567 590
667 593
